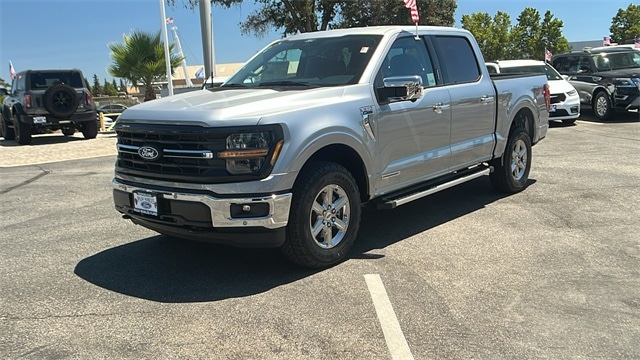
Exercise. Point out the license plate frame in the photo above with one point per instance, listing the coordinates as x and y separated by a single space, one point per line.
145 203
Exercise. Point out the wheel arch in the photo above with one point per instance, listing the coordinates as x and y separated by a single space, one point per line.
349 158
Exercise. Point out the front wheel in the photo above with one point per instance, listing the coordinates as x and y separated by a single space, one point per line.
324 216
511 172
602 106
7 132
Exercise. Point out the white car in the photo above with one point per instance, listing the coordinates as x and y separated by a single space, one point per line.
565 101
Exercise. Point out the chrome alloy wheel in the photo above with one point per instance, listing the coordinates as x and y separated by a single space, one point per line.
519 160
329 217
602 105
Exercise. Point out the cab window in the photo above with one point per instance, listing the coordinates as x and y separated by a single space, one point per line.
407 57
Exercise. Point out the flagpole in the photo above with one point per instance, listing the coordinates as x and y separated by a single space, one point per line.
167 57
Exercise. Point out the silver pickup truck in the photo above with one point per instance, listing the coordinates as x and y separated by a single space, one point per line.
287 151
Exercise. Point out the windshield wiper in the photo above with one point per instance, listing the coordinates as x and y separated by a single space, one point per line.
233 86
284 83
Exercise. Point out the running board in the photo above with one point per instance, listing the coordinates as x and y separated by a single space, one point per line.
391 202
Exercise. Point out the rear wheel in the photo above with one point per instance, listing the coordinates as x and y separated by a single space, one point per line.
90 129
511 172
324 216
22 131
602 106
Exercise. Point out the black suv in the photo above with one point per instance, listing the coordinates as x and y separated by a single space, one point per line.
48 99
606 79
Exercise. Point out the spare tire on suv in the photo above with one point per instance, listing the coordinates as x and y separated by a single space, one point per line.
60 100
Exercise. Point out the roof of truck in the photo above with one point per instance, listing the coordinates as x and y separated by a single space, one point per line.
375 30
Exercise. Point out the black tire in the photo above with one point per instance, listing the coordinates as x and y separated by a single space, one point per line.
569 121
511 172
8 133
602 106
68 131
60 100
318 186
90 129
22 131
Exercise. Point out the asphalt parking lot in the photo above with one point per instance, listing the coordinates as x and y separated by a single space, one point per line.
551 272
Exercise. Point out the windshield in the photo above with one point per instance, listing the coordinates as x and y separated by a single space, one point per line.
548 70
617 60
318 62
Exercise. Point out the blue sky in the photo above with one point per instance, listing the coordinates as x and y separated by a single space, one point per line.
75 33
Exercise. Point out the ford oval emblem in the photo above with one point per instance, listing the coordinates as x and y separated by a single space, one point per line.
148 152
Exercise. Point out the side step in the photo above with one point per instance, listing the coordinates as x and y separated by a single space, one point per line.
419 191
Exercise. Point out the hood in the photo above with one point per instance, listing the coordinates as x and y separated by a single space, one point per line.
627 73
231 107
560 86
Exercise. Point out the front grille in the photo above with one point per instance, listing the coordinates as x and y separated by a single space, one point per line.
558 98
185 153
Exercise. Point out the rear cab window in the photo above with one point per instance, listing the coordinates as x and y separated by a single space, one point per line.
457 59
43 80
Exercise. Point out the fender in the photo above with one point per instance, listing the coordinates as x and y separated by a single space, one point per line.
609 89
510 111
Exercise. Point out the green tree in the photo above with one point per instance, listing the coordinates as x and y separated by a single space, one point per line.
532 35
123 88
97 88
625 26
393 12
293 16
4 83
108 89
140 60
493 35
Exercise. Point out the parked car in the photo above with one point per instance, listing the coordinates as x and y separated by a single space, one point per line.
110 113
42 100
607 79
112 108
287 150
565 102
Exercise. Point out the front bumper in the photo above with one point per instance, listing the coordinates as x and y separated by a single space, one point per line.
231 221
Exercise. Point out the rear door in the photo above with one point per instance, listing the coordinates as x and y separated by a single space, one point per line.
473 108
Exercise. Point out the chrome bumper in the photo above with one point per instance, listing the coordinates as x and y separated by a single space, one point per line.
278 216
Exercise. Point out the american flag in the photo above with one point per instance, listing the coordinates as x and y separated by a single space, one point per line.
169 20
637 42
411 4
606 41
547 55
12 71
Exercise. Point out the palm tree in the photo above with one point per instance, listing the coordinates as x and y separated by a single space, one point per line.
140 60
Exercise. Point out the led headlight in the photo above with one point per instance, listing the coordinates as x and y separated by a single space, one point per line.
246 153
572 92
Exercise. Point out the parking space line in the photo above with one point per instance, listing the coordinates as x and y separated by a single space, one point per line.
396 342
589 122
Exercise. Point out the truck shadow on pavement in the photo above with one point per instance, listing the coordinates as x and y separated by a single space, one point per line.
164 269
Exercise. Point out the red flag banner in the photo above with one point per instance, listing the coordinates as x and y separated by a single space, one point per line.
411 4
547 55
169 20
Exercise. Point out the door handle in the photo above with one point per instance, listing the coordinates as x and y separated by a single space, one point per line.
486 99
438 107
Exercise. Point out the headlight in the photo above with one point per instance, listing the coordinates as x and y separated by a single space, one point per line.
246 153
572 92
624 82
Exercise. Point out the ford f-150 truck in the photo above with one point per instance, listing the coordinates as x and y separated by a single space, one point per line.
287 151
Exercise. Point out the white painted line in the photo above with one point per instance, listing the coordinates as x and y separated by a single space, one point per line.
396 342
589 122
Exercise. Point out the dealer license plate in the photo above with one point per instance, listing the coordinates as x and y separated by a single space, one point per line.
145 203
39 119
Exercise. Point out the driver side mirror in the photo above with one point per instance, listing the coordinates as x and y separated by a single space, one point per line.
400 88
